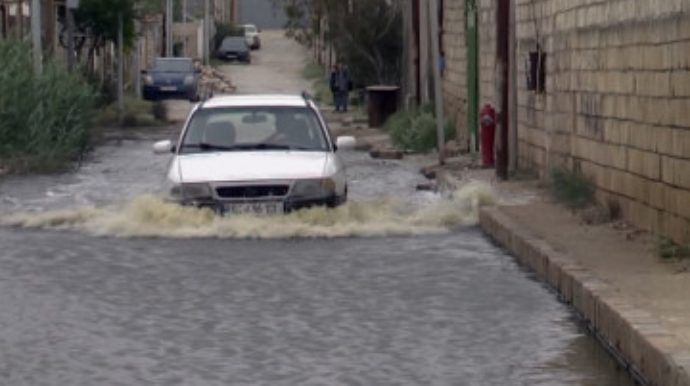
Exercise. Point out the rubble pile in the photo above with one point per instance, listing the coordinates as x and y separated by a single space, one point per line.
214 82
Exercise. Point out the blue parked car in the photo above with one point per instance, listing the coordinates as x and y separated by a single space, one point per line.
176 78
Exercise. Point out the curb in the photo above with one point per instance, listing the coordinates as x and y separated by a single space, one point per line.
652 354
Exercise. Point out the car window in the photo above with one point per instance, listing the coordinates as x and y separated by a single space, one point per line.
250 29
260 128
173 65
233 43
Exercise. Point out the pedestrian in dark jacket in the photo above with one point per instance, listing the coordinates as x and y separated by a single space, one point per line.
334 91
340 86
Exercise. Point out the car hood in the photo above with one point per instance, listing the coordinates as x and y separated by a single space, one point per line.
243 166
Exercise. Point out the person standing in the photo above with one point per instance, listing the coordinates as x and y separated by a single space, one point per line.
334 89
340 86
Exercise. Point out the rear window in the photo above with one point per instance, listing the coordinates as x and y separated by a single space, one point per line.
173 65
233 43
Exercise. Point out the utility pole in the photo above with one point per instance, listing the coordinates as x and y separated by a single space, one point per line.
120 71
169 28
35 34
207 32
69 15
438 86
502 81
512 97
137 54
184 24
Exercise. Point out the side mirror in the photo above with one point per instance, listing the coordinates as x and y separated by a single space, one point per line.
163 147
345 143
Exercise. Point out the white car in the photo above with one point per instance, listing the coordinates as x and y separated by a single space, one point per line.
251 36
263 154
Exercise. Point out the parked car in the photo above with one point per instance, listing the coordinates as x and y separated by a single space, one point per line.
176 78
264 154
251 34
234 48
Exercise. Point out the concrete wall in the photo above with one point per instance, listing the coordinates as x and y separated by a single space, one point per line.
455 48
455 76
616 99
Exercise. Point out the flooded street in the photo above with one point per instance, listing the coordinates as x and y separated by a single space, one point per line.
102 283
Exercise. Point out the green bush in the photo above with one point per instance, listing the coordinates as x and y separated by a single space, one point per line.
45 121
415 129
571 189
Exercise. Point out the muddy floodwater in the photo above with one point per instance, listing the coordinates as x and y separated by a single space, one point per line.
395 288
103 283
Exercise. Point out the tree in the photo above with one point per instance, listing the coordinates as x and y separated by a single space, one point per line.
99 21
367 34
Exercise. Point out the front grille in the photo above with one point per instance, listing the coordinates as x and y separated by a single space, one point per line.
254 191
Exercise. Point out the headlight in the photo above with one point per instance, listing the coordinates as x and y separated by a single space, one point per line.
148 79
316 187
190 191
189 79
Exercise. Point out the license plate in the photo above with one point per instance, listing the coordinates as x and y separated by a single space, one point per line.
232 56
258 208
168 88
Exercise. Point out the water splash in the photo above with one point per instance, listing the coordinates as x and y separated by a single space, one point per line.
150 216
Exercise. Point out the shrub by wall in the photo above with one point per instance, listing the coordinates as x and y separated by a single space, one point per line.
45 121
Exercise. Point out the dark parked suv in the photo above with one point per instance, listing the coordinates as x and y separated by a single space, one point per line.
234 48
176 78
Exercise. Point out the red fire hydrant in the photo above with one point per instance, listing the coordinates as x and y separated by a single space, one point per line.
487 120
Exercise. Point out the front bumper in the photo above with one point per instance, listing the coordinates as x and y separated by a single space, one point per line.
171 91
289 204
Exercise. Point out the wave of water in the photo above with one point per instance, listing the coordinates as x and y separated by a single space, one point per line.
150 216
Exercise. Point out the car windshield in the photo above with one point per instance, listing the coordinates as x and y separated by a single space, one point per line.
173 65
254 129
249 29
233 43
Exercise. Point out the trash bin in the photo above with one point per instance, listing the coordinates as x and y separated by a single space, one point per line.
382 103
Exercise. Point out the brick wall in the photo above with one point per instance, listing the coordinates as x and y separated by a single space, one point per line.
616 102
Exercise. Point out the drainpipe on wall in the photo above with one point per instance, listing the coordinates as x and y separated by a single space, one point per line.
512 101
502 82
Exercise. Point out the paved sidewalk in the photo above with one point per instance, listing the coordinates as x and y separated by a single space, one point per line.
637 303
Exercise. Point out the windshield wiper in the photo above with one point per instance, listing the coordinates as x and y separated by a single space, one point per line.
208 146
255 146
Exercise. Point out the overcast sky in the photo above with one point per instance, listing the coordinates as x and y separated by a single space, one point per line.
261 13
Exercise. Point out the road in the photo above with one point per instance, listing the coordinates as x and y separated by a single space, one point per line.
103 284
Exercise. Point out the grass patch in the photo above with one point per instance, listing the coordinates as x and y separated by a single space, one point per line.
138 113
571 190
415 129
668 249
313 71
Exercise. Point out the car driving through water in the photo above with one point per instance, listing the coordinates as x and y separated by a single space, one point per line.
263 154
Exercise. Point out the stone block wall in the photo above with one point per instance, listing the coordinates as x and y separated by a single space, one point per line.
616 102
